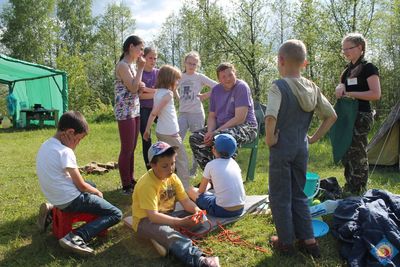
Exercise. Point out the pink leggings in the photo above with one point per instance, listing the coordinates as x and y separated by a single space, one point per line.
128 134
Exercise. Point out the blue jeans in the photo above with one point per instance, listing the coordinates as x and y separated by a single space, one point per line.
207 201
176 243
108 214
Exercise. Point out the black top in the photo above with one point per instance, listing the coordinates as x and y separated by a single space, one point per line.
355 79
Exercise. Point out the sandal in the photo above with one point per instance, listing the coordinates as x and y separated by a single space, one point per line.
287 249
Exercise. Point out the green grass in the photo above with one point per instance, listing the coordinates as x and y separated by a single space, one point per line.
22 245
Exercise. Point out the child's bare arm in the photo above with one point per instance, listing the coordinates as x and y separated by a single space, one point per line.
81 184
271 134
203 185
161 218
322 129
154 113
189 205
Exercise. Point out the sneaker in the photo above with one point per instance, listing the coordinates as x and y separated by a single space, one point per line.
209 262
45 216
286 249
312 249
127 191
76 244
160 249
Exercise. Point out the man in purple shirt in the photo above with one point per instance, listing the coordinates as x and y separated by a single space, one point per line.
231 111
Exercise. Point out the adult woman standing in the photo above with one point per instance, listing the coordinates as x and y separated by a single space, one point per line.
146 96
127 107
231 111
360 81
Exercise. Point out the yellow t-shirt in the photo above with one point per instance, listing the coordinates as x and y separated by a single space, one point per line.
151 193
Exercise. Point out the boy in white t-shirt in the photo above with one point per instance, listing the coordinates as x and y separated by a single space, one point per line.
64 187
225 175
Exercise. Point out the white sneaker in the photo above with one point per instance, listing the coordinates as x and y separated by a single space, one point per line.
45 217
76 244
160 249
209 262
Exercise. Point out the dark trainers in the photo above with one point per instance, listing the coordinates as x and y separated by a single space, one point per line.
45 216
76 244
280 247
209 262
312 249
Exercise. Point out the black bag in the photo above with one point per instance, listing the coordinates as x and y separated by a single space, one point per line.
329 189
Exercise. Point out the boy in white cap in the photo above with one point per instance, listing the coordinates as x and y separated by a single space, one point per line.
225 175
154 198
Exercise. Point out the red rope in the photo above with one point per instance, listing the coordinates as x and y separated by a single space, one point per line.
224 236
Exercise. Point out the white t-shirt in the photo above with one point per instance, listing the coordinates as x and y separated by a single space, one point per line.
189 87
51 162
167 122
226 177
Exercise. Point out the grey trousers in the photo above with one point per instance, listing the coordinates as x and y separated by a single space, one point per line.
289 204
176 243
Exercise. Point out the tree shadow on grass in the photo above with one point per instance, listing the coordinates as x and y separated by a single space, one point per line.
26 246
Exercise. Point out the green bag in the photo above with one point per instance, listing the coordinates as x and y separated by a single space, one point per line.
341 133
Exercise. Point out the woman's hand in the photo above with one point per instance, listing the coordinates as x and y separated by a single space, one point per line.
146 135
340 90
140 62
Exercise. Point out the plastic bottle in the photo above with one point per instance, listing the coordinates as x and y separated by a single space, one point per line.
326 207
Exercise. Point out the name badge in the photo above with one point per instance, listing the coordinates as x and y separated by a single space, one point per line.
352 81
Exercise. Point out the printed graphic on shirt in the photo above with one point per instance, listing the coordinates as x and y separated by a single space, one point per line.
167 199
187 93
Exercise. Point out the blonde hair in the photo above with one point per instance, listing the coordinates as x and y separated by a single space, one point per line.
167 76
357 39
192 54
294 51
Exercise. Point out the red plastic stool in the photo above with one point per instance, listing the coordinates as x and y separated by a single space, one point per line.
63 221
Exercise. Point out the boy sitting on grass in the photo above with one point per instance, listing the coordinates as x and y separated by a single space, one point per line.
154 199
64 187
226 177
292 101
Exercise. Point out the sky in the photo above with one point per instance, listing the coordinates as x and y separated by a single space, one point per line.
149 14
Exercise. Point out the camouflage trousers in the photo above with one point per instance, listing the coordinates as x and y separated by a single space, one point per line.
243 133
355 160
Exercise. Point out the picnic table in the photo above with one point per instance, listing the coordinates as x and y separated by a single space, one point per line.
40 114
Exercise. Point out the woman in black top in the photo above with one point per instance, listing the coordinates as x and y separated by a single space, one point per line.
360 81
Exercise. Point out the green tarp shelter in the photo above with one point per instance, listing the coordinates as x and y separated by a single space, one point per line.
31 84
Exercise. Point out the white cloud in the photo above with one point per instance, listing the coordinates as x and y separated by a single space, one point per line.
149 14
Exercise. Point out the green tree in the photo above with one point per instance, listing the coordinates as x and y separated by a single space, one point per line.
112 29
28 29
75 18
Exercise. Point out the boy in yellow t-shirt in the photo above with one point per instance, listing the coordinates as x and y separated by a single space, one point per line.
154 199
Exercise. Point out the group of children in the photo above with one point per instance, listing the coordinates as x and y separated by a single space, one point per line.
292 101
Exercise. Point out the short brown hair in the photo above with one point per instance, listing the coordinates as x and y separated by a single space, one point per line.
167 76
294 51
224 66
73 120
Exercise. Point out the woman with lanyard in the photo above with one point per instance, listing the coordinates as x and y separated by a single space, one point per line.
360 81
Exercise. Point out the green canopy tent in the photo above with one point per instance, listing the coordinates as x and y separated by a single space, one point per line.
32 85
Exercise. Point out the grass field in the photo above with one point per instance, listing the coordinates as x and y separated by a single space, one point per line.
22 245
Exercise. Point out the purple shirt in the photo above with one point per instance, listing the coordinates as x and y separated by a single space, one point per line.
224 102
149 79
